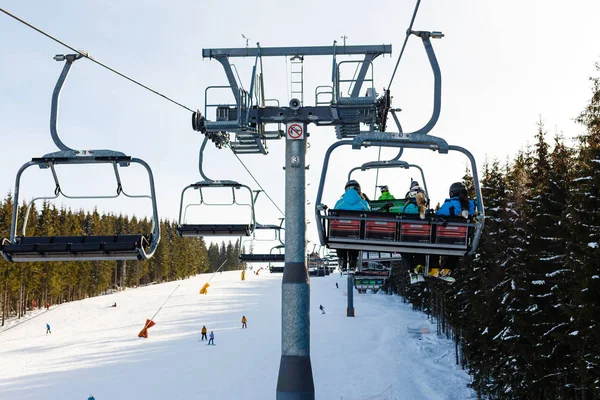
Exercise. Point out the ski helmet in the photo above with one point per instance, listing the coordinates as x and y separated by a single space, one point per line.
455 188
354 184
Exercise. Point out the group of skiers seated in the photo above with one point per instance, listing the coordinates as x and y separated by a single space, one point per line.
457 204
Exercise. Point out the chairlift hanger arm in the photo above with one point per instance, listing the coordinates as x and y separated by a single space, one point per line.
70 58
437 81
224 60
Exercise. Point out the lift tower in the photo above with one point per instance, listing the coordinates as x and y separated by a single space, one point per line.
243 125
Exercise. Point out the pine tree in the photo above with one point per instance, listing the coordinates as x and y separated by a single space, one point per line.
583 257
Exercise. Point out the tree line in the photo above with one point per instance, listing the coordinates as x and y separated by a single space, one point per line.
30 285
525 309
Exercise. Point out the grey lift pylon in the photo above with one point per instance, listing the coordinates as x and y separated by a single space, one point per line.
247 119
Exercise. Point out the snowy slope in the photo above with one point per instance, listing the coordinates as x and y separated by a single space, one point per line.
94 349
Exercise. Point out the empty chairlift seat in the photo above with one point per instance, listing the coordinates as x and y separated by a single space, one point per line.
214 230
77 248
262 257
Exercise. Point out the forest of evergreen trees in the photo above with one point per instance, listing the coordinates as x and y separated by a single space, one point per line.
524 311
25 286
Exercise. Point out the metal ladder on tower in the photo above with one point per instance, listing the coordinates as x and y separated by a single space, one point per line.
297 78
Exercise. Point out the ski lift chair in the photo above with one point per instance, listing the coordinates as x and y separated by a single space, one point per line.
399 233
198 229
78 248
272 256
187 229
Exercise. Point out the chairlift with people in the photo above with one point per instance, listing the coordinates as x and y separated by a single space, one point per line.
396 232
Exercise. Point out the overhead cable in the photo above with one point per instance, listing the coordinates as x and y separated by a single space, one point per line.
86 55
408 31
259 185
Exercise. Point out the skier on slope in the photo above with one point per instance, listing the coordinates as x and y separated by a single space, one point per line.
211 339
203 333
48 328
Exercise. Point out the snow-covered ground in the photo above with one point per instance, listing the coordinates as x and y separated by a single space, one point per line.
94 348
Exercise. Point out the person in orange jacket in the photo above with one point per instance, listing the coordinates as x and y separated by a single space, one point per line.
244 322
203 333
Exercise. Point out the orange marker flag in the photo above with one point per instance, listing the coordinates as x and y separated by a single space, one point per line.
144 332
204 289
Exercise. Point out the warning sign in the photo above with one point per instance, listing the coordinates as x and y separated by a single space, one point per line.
295 131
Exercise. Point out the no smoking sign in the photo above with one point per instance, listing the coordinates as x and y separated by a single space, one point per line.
295 131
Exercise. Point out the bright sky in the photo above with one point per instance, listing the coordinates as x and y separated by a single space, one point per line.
503 65
94 348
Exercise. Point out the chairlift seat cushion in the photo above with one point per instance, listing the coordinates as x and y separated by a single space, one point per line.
215 230
75 244
452 234
262 257
275 269
415 231
345 224
383 226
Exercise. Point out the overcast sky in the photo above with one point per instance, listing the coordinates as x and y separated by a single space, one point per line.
504 64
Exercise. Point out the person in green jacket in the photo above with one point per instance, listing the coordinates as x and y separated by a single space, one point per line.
385 193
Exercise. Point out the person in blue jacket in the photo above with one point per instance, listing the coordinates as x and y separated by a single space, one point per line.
352 199
458 203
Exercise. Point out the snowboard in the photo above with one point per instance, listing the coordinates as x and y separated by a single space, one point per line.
415 278
436 273
448 279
